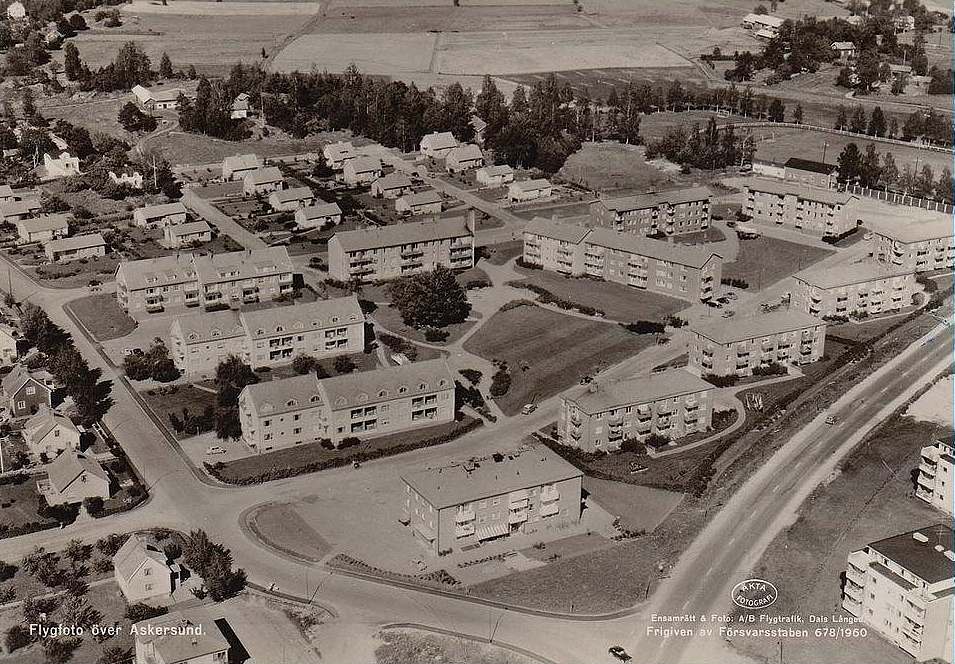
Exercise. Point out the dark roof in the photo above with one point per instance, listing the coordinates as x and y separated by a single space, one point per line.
920 558
810 165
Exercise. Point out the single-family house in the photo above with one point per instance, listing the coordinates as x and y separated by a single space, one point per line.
151 99
237 166
12 211
316 216
182 235
240 106
134 179
262 181
6 194
336 154
361 170
495 176
424 202
393 185
846 50
186 636
143 572
50 433
528 190
43 228
286 200
72 477
157 216
25 394
60 167
464 158
438 144
75 248
8 345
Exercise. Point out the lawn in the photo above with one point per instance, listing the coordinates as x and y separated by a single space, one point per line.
613 166
407 645
617 301
765 260
18 504
173 400
388 319
499 254
554 349
868 500
102 316
281 522
637 507
74 274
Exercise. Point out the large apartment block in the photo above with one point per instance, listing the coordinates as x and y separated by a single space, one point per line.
858 289
917 246
387 252
267 337
902 587
189 280
737 346
305 409
659 213
810 210
687 273
599 417
527 491
935 479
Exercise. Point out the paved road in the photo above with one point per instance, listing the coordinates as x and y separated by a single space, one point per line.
220 220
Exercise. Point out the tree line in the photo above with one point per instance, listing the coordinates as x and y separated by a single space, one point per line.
869 168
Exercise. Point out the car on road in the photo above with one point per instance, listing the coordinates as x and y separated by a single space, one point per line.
620 653
215 449
714 304
528 408
830 419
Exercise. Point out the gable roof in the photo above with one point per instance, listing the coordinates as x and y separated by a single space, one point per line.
179 230
364 164
70 465
263 175
339 150
394 180
46 222
76 242
155 272
555 230
173 643
466 152
426 197
398 234
37 427
242 162
439 140
208 326
16 208
800 191
262 323
652 199
163 210
499 169
319 211
17 378
236 265
386 383
284 395
292 194
926 228
844 275
650 247
133 555
742 328
532 185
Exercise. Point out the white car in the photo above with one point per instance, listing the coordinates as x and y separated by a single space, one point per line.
215 449
528 409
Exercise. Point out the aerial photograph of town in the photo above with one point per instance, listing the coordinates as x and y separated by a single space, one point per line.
476 332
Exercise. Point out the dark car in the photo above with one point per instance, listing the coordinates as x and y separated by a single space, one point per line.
620 653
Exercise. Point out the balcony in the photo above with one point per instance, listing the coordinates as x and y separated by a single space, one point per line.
517 516
464 516
464 530
361 260
549 493
927 470
923 493
549 509
154 306
286 278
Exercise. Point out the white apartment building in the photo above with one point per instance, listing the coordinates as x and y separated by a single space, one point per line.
387 252
858 289
659 213
810 210
902 587
599 417
737 346
935 479
303 409
924 244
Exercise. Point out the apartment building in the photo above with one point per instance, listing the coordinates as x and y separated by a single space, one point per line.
686 273
807 171
810 210
902 587
858 289
525 491
199 342
658 213
599 417
737 346
187 280
303 409
935 479
922 245
387 252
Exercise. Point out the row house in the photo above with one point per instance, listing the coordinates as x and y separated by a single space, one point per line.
293 198
318 215
658 213
737 346
902 587
186 280
44 228
304 409
75 248
920 246
809 210
267 337
238 166
393 185
524 491
599 417
184 235
935 479
158 216
858 289
423 202
686 273
387 252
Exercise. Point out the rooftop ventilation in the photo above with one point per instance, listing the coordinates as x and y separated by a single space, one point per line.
919 537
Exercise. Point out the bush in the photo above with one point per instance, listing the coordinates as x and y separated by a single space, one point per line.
500 382
721 381
771 369
735 283
645 327
303 364
435 335
17 637
478 283
348 441
344 364
473 376
514 304
139 611
656 441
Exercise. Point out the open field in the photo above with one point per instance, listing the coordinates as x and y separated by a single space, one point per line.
18 504
102 316
97 115
611 166
407 645
181 148
765 260
281 522
499 254
935 405
538 339
637 507
166 401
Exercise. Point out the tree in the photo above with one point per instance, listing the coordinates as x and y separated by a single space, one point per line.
432 299
868 69
17 637
869 168
797 114
138 612
165 66
777 112
72 65
844 79
77 22
898 84
77 551
760 9
60 651
114 655
857 123
232 375
343 364
889 173
877 126
841 121
133 119
69 368
849 163
303 364
919 59
945 187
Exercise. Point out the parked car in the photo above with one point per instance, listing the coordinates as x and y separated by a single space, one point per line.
731 295
528 409
830 419
215 449
714 304
620 653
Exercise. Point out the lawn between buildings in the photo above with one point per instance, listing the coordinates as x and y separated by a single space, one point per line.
765 260
102 316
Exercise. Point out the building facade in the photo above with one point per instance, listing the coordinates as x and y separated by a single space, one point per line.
336 154
25 394
74 248
262 181
73 477
288 200
599 418
44 228
902 587
237 166
463 158
183 235
935 479
859 290
813 211
659 213
525 491
424 202
387 252
157 216
438 144
529 190
142 571
361 170
494 176
316 216
393 185
917 247
809 172
738 346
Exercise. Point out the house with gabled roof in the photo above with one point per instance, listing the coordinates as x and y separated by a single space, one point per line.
262 181
336 154
183 235
438 144
157 216
241 106
14 210
237 166
428 201
528 190
8 344
75 248
25 394
44 228
287 200
361 170
318 215
50 432
495 176
464 158
186 636
143 572
72 477
392 185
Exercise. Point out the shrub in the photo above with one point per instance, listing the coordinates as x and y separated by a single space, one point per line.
500 382
435 335
473 376
656 441
478 283
303 364
721 381
139 611
771 369
645 327
348 441
344 364
514 304
735 283
17 637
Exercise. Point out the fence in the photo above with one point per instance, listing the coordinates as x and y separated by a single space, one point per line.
900 199
841 132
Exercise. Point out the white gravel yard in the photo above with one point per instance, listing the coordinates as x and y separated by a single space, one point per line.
936 405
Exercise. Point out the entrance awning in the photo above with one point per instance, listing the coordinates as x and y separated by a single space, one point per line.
492 531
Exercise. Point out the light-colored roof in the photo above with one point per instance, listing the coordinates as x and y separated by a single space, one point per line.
339 150
441 140
740 328
394 180
844 275
263 175
76 242
206 326
499 169
532 185
842 46
131 556
292 194
6 191
242 162
643 389
319 211
168 94
15 208
37 427
155 272
387 383
426 197
399 234
466 152
164 210
763 19
653 199
172 635
46 222
180 230
284 395
916 230
645 246
530 466
316 315
364 164
17 378
804 192
70 465
243 264
556 230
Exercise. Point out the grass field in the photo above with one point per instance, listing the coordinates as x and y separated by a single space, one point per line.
612 166
281 522
538 338
181 148
97 115
407 645
388 319
18 503
499 254
102 316
171 400
765 260
618 302
637 507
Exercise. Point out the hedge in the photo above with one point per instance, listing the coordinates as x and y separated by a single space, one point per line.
546 297
440 579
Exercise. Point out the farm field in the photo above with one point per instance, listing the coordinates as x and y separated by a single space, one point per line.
182 148
537 339
765 260
97 115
